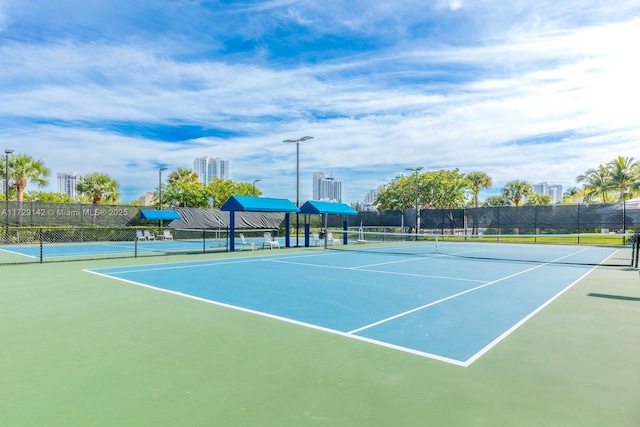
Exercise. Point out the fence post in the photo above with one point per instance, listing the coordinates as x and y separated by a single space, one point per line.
41 237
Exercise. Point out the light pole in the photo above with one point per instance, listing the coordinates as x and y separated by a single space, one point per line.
6 192
416 170
160 195
297 141
254 185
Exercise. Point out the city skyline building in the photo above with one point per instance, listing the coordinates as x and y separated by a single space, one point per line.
208 168
554 191
326 188
67 183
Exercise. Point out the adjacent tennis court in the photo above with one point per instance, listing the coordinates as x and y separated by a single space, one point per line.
437 306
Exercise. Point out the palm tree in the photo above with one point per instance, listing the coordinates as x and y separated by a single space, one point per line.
516 190
183 175
623 173
479 180
98 187
24 169
595 183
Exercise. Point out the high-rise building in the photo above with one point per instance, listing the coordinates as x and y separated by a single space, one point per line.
326 188
368 203
554 191
208 169
67 183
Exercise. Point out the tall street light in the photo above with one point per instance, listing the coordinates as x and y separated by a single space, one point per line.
254 185
160 195
6 192
297 141
416 170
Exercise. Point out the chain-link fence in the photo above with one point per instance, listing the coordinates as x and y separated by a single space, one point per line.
21 245
559 219
43 232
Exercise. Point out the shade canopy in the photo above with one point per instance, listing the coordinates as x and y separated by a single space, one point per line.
258 204
159 215
316 207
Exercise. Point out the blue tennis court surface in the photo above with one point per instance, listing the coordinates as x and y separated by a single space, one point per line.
55 250
442 307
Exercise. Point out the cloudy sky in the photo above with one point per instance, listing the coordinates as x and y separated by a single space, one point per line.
532 90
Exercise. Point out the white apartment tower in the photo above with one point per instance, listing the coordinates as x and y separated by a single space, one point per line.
554 191
208 169
326 188
67 183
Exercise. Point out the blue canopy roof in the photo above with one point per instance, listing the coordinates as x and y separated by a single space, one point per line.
258 204
159 215
315 207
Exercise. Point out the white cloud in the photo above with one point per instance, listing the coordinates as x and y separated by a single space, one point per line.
480 106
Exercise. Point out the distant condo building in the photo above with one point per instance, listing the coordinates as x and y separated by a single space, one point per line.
554 191
67 183
326 188
208 169
368 203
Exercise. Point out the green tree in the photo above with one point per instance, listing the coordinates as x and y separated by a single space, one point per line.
572 195
494 201
623 174
596 184
538 199
24 169
98 187
398 195
183 175
516 190
445 189
221 189
40 196
186 194
478 180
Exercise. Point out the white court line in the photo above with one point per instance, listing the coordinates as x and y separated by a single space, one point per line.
422 307
521 322
288 320
19 253
331 267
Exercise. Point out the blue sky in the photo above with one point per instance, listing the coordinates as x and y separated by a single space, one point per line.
537 91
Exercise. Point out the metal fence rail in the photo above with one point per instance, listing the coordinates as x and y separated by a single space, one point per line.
24 245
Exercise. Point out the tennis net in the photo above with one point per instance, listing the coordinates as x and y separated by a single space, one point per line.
583 249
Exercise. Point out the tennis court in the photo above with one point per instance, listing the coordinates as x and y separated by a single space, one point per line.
321 337
436 306
75 250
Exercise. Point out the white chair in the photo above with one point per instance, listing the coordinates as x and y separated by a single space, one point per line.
315 239
332 239
140 236
148 235
166 235
244 242
268 240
